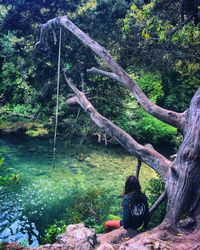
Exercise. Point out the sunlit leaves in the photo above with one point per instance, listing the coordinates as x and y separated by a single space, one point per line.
85 6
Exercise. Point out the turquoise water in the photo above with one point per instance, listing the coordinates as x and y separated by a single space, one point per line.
43 194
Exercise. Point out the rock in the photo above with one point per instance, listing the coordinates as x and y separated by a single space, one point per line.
79 237
4 223
6 233
105 246
76 237
81 157
14 226
12 246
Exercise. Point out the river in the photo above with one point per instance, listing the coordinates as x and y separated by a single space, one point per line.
42 194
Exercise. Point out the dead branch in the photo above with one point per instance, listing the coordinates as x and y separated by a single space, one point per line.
104 73
158 202
137 172
148 155
168 116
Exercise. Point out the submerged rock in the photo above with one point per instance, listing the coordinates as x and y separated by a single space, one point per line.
81 157
15 226
6 233
6 222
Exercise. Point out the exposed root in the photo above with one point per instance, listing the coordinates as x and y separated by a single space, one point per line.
163 239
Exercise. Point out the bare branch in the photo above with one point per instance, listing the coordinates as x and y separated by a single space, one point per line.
148 155
137 172
72 100
168 116
104 73
158 202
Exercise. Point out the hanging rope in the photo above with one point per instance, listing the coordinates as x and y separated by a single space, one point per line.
57 99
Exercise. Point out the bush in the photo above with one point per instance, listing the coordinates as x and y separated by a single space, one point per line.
90 207
7 179
53 231
150 129
154 190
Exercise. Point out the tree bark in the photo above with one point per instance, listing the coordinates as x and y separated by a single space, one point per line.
183 180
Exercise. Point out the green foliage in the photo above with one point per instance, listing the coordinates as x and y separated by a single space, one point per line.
53 231
113 217
21 117
90 207
150 129
139 36
151 84
7 179
154 190
161 45
14 87
138 122
39 131
25 109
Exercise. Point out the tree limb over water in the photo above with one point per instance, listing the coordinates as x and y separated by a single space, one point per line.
167 116
148 155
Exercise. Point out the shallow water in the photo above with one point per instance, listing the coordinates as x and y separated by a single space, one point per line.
43 193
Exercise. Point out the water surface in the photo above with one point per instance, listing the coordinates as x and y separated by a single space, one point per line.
43 194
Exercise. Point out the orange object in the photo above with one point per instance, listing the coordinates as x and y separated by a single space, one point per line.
111 225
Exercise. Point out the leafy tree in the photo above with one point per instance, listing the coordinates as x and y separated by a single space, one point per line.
154 27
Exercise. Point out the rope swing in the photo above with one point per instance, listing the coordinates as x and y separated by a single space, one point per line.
57 99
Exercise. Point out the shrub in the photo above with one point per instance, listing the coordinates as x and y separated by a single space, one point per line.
53 231
7 179
90 207
154 190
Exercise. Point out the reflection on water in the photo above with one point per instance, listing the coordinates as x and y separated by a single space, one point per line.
43 194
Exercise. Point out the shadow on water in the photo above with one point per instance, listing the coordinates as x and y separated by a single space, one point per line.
43 194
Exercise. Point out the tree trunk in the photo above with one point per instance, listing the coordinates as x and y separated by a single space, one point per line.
183 180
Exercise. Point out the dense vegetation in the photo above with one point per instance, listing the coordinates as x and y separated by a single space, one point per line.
146 39
150 39
93 207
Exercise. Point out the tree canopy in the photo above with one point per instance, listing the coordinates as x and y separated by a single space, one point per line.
149 39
